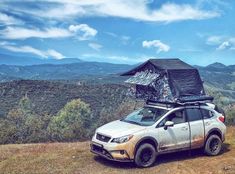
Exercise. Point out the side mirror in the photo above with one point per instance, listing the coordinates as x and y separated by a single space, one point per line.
168 124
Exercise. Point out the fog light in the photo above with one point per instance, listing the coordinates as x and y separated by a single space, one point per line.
122 152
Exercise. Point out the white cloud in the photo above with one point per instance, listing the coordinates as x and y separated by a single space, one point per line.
3 43
28 49
173 12
84 31
63 12
221 42
24 33
161 47
132 9
55 54
214 40
224 45
9 20
114 58
95 46
25 49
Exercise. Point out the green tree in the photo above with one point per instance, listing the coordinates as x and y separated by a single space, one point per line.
23 125
8 131
72 122
16 118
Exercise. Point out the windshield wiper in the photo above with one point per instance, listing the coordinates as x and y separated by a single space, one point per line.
130 121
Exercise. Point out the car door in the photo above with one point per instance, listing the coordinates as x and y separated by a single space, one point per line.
208 119
196 124
175 137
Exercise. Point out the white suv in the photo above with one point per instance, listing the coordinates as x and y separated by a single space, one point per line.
160 128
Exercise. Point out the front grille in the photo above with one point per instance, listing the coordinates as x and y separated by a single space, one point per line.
97 148
102 137
100 151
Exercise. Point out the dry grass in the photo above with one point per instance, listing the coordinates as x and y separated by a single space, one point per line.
76 158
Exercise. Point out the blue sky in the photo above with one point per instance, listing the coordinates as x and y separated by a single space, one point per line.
199 32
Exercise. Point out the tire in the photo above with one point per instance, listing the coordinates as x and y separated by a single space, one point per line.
213 145
145 155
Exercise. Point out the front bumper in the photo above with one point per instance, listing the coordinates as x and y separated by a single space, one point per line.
110 152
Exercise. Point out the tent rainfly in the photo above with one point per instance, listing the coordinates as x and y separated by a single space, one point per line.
166 80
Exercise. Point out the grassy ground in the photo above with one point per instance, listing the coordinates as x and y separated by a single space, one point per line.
75 158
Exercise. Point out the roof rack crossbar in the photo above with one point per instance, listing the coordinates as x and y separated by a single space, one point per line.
180 103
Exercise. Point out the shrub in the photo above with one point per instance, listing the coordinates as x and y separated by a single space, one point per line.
72 122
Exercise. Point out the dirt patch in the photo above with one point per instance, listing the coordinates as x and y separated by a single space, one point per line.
75 158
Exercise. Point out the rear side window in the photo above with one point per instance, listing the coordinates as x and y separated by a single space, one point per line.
206 113
193 114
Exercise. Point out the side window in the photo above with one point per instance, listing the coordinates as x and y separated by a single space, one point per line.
193 114
177 117
206 113
162 123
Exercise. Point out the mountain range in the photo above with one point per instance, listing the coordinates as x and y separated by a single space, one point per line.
216 76
60 71
6 59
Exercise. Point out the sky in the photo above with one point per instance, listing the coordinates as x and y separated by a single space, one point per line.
199 32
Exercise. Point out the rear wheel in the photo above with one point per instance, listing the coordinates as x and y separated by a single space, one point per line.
213 145
145 155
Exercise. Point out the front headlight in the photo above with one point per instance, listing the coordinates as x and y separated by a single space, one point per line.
122 139
94 134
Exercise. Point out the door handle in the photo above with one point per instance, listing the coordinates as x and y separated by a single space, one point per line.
184 128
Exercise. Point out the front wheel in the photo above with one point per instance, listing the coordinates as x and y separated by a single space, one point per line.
145 155
213 145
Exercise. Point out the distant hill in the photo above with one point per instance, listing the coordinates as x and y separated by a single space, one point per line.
216 65
219 76
61 71
216 76
22 60
49 97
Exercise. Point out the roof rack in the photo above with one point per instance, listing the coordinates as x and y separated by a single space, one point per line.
161 103
182 102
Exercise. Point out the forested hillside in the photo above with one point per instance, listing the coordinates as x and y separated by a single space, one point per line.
47 110
49 97
34 111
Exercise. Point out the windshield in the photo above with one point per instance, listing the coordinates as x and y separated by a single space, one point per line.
146 116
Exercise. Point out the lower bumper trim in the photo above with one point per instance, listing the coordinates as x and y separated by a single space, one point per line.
111 158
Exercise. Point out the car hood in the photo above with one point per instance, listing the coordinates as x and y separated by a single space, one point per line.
119 128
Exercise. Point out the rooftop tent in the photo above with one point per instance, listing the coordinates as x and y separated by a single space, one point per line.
166 80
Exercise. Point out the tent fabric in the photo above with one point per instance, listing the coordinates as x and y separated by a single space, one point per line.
185 83
166 80
158 90
168 64
143 78
156 65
